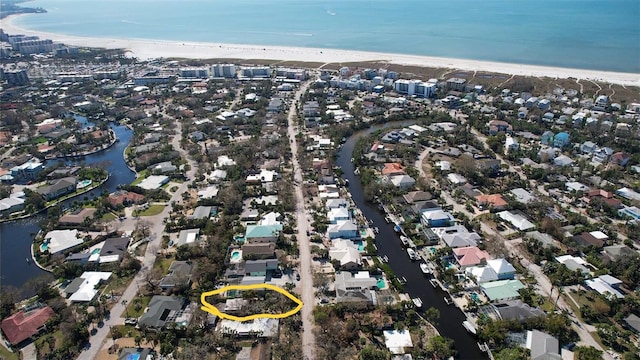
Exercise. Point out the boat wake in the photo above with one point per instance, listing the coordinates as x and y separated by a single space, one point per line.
279 33
130 22
331 13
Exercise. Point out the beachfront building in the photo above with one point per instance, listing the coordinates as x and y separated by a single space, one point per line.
223 71
415 87
456 84
194 73
256 72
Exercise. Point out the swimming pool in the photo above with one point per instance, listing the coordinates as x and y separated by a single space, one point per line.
475 297
133 357
83 184
44 247
381 283
236 256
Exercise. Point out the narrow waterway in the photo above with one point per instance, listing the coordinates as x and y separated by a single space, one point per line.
388 243
16 236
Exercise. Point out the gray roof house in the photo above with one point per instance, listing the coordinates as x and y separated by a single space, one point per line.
163 167
188 237
114 249
202 212
180 272
58 187
543 346
259 267
516 309
633 321
162 310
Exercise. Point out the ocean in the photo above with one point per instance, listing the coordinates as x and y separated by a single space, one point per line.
586 34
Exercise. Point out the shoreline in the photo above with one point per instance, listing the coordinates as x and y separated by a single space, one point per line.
150 49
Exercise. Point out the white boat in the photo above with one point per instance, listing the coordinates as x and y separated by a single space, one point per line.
433 283
448 300
425 269
417 301
405 240
376 230
385 259
412 254
470 328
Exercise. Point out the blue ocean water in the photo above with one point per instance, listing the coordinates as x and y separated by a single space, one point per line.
590 34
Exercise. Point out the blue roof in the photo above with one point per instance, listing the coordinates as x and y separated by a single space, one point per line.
562 135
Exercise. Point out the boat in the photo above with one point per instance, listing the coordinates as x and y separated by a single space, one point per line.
397 228
346 182
417 301
412 254
403 280
385 258
470 328
376 230
28 260
425 269
405 240
448 300
433 283
356 171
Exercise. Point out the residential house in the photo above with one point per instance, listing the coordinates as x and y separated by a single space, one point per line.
543 346
390 169
346 252
516 310
262 233
416 196
437 218
262 328
574 263
23 325
595 238
77 217
522 196
58 187
497 126
620 158
605 197
338 214
260 267
335 203
633 321
163 168
457 236
258 251
517 220
56 241
203 212
114 249
189 237
561 140
481 274
358 287
136 353
511 144
614 252
180 273
397 341
606 285
343 229
470 256
547 138
588 147
14 203
502 268
562 160
85 288
502 290
402 181
494 201
163 310
124 198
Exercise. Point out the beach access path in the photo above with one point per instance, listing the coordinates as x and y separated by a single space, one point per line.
151 49
97 341
306 274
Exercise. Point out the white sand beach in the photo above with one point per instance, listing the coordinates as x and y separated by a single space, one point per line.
149 49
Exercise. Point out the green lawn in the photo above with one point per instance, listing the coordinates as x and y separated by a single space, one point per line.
151 210
141 176
162 264
109 216
117 285
137 306
7 355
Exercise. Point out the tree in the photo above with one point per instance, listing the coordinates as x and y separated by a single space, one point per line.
369 352
518 353
587 353
440 347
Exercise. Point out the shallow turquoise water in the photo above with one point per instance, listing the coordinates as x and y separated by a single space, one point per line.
589 34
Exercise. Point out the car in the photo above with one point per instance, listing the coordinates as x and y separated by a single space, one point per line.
298 277
324 301
130 321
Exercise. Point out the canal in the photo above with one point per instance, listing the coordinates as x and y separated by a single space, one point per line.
388 243
16 236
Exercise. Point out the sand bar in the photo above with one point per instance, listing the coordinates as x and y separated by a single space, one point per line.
150 49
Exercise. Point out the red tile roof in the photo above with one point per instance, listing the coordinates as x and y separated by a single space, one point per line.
495 200
21 326
470 255
392 169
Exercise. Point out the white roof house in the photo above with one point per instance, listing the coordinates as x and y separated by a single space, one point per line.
153 182
270 219
501 266
188 236
224 160
87 289
264 176
605 285
516 220
263 327
217 175
522 195
482 274
346 252
208 193
456 179
336 214
59 240
397 340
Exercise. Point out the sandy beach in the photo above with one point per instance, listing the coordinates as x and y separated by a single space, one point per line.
149 49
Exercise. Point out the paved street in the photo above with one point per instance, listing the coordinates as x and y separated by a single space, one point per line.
306 274
156 230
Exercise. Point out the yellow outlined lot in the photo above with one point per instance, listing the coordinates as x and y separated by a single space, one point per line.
214 310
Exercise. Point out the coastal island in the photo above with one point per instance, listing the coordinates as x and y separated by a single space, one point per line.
463 208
